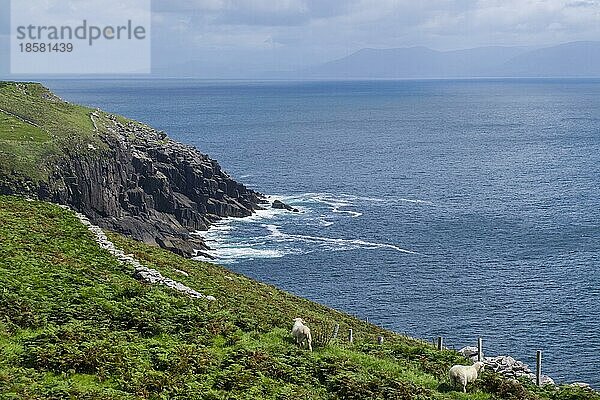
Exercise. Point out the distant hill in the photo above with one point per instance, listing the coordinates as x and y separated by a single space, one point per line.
576 59
571 59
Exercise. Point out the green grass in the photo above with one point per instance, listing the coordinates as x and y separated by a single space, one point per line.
37 129
13 129
75 324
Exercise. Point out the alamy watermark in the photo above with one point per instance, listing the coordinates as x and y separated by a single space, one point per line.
80 36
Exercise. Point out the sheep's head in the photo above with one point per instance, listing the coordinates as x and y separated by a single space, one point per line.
479 366
299 320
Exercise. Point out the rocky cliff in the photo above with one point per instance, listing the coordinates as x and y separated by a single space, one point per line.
134 180
151 188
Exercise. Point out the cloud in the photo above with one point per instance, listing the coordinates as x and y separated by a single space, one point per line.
255 12
386 23
582 3
264 12
461 24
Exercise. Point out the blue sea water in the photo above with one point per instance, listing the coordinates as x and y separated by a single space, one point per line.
452 208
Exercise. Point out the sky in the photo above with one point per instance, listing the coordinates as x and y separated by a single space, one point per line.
246 36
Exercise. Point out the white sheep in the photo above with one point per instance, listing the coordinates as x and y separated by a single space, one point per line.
464 374
301 333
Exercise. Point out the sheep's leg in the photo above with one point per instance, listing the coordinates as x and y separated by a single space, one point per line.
463 382
309 345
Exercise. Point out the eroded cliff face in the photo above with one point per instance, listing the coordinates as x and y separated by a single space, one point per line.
148 187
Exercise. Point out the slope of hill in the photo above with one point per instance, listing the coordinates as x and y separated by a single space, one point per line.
74 323
577 59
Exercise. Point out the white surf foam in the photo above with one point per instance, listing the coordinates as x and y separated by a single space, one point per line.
325 223
335 203
274 243
339 197
353 214
341 244
357 243
273 229
415 201
339 203
267 213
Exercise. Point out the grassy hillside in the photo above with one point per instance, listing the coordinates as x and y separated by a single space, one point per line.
37 128
75 324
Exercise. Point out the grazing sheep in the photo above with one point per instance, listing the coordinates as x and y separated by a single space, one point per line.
301 333
464 374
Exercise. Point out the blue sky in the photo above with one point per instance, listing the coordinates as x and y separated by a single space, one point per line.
264 35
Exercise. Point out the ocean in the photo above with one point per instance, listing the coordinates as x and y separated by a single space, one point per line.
462 209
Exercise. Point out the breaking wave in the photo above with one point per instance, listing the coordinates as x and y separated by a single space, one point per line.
275 233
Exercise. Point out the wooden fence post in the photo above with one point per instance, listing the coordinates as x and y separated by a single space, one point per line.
480 349
335 331
538 368
350 336
440 343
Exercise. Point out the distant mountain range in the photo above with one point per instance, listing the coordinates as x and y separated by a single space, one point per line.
576 59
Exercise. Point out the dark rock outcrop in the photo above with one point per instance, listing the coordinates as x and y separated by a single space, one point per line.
278 204
148 187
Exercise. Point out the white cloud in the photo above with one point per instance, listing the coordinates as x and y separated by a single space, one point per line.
312 31
255 12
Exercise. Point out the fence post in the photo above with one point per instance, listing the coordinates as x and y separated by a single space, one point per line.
480 349
335 331
380 340
440 343
538 368
350 337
